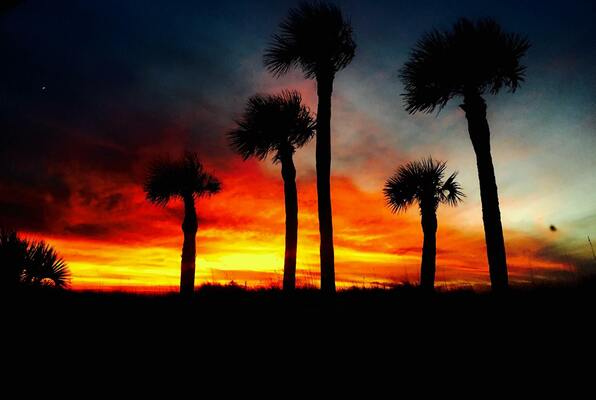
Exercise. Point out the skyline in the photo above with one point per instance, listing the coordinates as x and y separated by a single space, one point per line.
83 114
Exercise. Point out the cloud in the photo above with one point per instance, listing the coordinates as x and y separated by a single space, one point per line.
123 86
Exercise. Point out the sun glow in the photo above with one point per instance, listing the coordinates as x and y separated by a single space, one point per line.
246 245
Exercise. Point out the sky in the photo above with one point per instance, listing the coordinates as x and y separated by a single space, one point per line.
91 91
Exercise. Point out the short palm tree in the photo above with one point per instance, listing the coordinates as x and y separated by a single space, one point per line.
13 256
45 267
423 182
469 61
183 179
277 125
31 263
316 38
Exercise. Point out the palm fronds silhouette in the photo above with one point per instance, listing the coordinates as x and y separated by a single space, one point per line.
277 125
167 179
423 182
184 179
474 58
316 38
272 124
30 263
45 267
469 61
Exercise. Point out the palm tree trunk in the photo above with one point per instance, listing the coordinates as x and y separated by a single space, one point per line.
323 162
189 228
288 173
429 250
475 109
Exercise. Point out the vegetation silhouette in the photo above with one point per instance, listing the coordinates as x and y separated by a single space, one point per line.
278 125
424 182
30 263
316 38
183 179
472 59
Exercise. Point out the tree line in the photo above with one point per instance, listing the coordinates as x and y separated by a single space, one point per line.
466 62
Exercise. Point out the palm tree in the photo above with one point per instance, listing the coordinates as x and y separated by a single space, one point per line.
316 38
13 256
423 182
45 267
32 263
472 59
184 179
278 125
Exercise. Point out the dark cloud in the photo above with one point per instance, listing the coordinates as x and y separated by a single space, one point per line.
90 93
88 230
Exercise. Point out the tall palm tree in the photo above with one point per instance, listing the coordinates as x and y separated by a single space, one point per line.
183 179
423 182
316 38
469 61
278 125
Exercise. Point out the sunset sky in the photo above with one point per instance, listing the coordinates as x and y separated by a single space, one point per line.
91 91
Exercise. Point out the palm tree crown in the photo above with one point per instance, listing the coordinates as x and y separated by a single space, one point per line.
272 124
178 178
422 182
29 262
46 267
472 58
314 37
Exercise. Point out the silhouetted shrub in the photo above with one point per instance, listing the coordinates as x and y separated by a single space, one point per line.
26 262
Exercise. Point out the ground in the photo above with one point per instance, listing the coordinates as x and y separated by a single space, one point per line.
234 332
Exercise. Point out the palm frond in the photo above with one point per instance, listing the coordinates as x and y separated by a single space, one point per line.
13 255
272 124
33 263
400 191
45 267
161 181
473 57
315 37
178 178
451 193
421 182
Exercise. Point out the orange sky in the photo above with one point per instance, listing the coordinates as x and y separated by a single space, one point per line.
113 85
112 238
241 239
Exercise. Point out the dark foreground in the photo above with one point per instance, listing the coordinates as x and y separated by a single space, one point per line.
227 330
231 310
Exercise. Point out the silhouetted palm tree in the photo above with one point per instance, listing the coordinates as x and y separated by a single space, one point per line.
423 182
278 125
184 179
316 38
32 263
472 59
45 267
